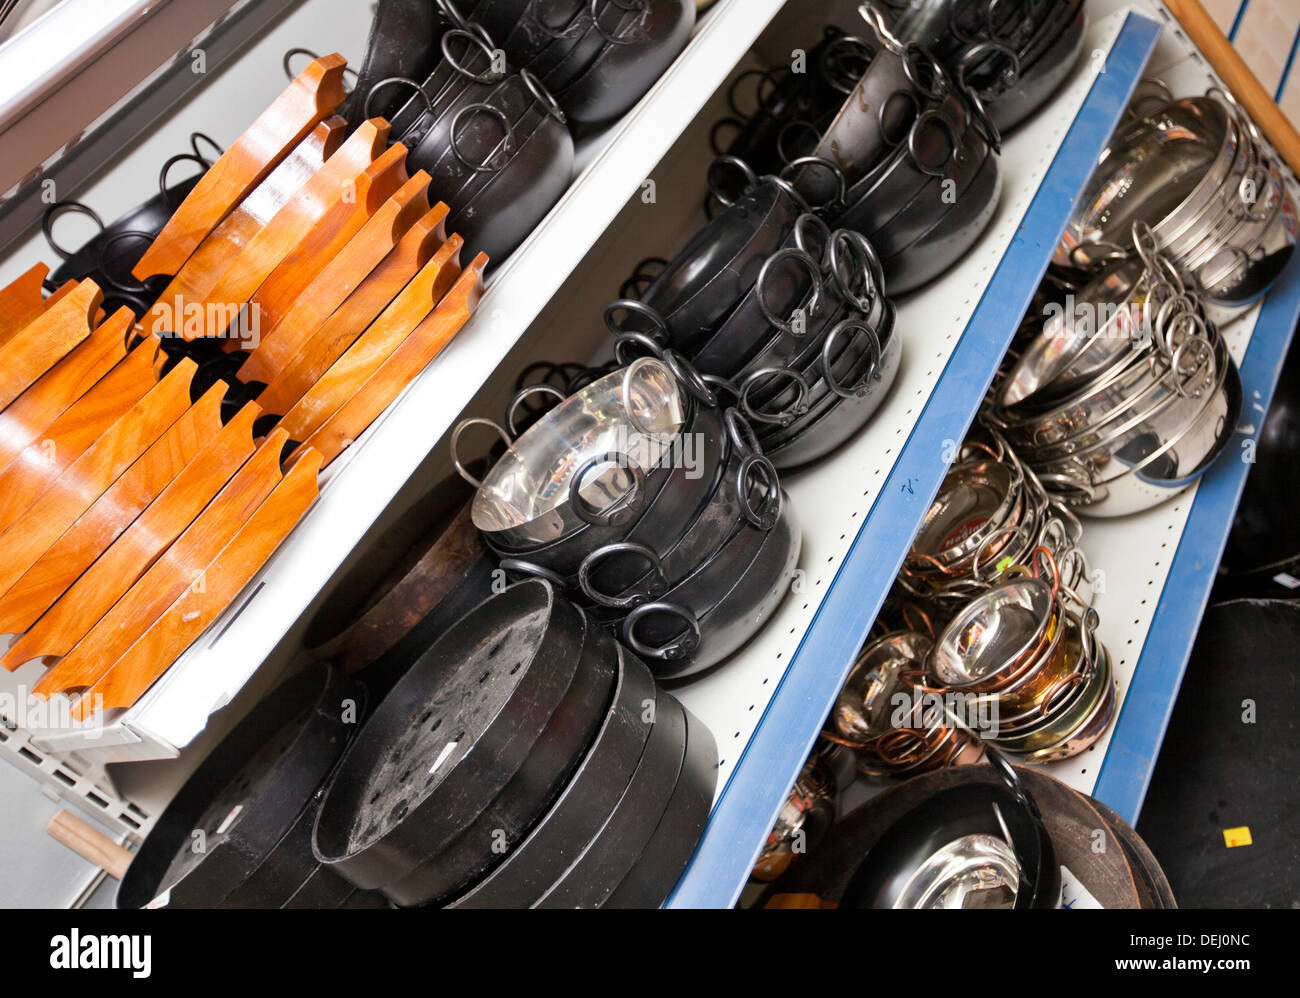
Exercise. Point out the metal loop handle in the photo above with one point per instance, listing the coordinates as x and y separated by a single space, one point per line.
741 167
764 276
864 263
651 346
625 508
483 43
389 81
508 146
926 116
676 649
543 95
689 377
60 208
790 413
657 585
513 408
182 157
815 163
741 433
521 567
461 427
634 307
873 372
768 511
131 287
1003 80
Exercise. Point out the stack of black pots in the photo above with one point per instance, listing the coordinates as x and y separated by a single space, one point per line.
1013 54
650 505
492 138
598 58
907 158
238 833
525 760
784 317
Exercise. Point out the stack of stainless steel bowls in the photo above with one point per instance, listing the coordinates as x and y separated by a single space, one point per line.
882 713
990 512
654 509
1020 650
1196 172
1128 393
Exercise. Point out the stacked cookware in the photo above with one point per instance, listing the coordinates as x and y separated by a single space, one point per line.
1127 394
1194 171
1011 55
978 837
908 158
991 511
597 56
1025 667
526 760
782 316
491 137
650 505
238 833
884 716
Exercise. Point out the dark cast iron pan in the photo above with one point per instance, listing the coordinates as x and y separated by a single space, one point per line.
532 789
626 69
533 866
425 572
676 643
954 234
845 417
403 41
247 794
595 874
461 722
665 856
704 283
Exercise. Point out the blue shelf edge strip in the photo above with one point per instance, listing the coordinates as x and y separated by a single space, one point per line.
763 775
1135 744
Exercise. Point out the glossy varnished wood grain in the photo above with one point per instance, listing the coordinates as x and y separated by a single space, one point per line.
180 567
217 252
416 301
315 94
22 301
25 478
112 513
223 579
402 366
339 278
46 340
40 405
92 474
367 193
298 371
71 614
292 223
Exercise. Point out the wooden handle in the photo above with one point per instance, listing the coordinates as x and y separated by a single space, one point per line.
1239 78
90 844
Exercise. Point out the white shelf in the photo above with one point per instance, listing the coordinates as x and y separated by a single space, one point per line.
363 483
